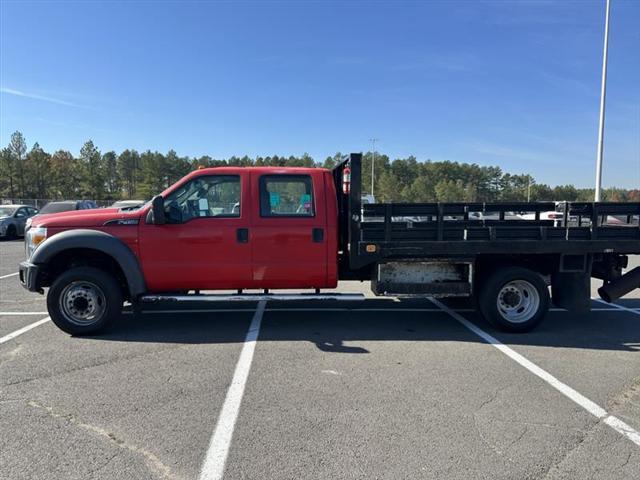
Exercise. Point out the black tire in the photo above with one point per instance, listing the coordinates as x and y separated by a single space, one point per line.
84 291
11 233
514 299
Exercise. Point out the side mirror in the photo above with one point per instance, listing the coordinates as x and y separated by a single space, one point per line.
157 211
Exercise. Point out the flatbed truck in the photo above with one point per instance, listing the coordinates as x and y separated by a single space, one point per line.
234 228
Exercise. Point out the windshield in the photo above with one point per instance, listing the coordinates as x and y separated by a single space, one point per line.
58 207
7 211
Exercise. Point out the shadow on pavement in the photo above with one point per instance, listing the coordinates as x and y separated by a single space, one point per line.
331 325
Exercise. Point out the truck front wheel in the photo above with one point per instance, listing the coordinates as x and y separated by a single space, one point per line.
84 300
514 299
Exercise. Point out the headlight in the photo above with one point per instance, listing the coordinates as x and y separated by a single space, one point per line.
34 237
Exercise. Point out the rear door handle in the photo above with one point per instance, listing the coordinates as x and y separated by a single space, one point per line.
318 235
242 235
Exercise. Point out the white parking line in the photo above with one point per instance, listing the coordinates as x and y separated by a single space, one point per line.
618 307
10 275
23 313
213 466
591 407
19 332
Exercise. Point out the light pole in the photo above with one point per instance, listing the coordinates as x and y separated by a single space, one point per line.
373 161
603 94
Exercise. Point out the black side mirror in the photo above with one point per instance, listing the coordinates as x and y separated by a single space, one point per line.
157 211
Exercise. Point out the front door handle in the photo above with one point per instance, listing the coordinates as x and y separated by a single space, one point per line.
242 235
318 235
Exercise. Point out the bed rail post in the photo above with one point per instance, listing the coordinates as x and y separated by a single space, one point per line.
355 209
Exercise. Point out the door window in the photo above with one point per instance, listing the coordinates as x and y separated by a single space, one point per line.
286 196
206 196
21 213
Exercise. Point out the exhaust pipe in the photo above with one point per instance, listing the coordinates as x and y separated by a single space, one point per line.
620 286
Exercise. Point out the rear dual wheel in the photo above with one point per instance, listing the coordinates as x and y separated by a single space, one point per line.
84 300
514 299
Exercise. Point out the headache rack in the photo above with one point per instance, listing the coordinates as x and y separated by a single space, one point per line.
421 230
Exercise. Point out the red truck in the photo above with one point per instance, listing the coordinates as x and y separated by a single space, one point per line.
298 228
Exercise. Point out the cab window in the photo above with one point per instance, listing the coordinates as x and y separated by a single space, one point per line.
286 196
206 196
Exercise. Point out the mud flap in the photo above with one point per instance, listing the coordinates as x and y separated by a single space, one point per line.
572 291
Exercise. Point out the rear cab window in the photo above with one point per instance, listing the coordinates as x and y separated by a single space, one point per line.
287 196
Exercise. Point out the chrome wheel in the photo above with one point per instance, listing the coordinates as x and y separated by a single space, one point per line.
83 303
518 301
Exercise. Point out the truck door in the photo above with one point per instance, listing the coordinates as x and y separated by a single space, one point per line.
205 243
289 234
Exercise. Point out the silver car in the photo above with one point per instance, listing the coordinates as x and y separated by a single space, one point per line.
13 219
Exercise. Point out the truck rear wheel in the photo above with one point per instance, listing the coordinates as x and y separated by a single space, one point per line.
514 299
84 300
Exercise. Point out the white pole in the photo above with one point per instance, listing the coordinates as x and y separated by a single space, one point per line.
603 93
373 162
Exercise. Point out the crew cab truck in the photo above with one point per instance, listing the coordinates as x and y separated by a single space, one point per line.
298 228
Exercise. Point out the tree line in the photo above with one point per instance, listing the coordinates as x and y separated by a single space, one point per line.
130 174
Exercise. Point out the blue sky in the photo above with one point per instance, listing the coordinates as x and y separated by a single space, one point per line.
514 84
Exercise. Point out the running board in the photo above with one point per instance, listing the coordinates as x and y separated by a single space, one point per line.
251 297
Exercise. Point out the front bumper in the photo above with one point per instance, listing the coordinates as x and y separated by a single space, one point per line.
29 277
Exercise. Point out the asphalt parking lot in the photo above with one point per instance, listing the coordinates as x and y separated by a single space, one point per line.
374 389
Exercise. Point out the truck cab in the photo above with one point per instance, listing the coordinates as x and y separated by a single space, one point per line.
217 228
237 228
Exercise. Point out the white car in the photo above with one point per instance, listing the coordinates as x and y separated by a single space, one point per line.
557 217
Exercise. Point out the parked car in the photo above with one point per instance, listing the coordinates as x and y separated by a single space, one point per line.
554 215
64 206
67 205
127 205
13 219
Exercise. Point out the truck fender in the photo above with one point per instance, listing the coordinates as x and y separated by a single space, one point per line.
95 240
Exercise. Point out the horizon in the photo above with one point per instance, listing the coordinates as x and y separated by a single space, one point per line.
514 85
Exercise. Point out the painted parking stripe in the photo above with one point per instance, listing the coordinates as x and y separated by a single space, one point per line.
590 406
623 428
10 275
23 313
213 466
618 307
19 332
